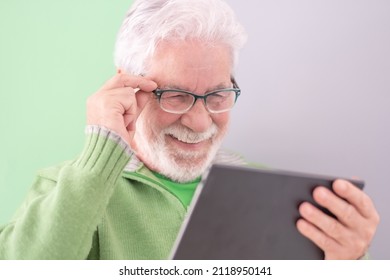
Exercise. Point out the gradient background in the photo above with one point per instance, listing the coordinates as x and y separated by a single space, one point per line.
315 77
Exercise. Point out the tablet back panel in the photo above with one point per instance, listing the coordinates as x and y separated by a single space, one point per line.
247 213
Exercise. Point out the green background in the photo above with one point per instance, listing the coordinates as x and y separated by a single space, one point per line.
53 55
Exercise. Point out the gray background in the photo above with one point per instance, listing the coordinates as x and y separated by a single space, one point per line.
315 77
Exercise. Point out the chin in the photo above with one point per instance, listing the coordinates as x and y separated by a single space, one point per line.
185 166
184 169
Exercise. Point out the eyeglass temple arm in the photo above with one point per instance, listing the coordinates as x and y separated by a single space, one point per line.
233 80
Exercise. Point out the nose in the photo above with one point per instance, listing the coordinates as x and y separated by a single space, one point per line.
197 119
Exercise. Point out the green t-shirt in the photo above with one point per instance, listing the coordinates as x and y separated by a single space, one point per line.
184 191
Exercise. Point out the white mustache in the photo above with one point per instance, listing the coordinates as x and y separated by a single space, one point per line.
186 135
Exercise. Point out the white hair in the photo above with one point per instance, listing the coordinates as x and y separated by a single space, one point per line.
149 21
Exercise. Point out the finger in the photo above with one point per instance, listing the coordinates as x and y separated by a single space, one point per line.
324 222
132 103
128 97
131 115
120 99
346 213
123 80
324 242
143 98
142 93
119 81
356 197
124 91
130 119
146 85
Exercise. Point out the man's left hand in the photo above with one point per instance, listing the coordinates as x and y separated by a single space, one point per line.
348 236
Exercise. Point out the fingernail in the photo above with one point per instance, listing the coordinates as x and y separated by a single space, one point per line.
320 192
341 185
305 208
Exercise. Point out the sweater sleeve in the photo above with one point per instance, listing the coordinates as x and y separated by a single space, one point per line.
63 208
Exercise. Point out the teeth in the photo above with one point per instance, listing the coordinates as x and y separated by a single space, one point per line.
189 141
186 135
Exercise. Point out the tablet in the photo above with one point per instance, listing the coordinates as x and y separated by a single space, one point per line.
247 213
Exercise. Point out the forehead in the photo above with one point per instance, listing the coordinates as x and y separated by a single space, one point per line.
191 64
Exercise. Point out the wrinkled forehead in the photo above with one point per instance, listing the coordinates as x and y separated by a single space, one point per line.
191 64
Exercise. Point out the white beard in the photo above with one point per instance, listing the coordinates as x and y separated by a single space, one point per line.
176 164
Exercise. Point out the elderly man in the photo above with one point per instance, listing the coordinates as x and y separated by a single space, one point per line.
152 130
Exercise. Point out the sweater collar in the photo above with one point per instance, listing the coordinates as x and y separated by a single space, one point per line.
222 157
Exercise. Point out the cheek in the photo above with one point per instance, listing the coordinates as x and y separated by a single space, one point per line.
164 119
221 120
157 118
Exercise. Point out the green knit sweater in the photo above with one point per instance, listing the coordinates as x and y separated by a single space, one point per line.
104 205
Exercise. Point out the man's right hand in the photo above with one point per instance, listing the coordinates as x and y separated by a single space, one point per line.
118 104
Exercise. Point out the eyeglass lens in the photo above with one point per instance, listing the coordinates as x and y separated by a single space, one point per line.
178 102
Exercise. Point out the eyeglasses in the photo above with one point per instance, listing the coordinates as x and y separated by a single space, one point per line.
178 101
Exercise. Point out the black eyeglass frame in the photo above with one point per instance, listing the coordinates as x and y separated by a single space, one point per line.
159 92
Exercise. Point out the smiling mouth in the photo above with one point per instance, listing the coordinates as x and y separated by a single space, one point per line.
187 141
